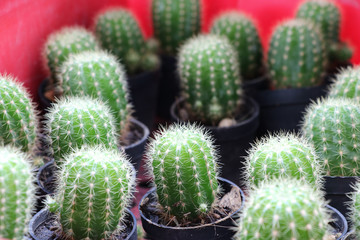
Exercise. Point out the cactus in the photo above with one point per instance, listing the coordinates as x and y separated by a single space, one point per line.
283 155
354 210
210 78
17 193
333 127
297 56
284 209
242 33
346 84
64 42
77 121
94 187
183 164
174 22
18 118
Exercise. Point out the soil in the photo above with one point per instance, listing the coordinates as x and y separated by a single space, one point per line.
133 135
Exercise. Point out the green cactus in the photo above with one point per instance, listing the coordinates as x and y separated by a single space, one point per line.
99 75
76 121
297 56
183 163
210 78
284 209
94 188
18 118
333 127
283 155
346 84
64 42
174 22
242 33
17 193
355 209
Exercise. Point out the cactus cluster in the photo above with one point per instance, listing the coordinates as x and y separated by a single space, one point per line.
347 84
210 78
297 55
182 161
94 187
355 209
174 22
242 33
333 127
17 193
284 209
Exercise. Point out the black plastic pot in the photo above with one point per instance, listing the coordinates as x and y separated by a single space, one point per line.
339 223
252 86
39 230
221 229
233 141
350 236
45 180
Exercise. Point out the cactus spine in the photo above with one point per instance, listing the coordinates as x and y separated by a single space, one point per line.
183 162
347 84
242 33
355 209
210 78
17 193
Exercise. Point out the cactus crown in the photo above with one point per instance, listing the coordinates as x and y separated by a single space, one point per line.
210 78
242 33
333 127
17 193
283 155
94 187
76 121
284 209
355 209
99 75
347 84
18 117
175 21
182 161
297 56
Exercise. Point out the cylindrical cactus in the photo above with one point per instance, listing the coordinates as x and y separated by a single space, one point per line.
297 56
284 209
99 75
347 84
18 118
77 121
94 187
283 155
183 163
174 22
333 127
242 33
355 209
17 193
210 78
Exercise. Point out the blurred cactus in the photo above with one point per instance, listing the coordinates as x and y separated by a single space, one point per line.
347 84
355 209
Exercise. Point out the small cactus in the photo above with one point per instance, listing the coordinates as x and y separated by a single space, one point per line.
283 155
94 188
284 209
297 56
99 75
355 209
210 78
76 121
333 127
18 118
347 84
242 33
17 193
174 22
183 163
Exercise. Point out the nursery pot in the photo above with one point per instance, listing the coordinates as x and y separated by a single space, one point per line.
45 179
221 229
40 227
350 236
339 223
252 86
233 141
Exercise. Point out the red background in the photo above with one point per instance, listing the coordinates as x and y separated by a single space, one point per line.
25 25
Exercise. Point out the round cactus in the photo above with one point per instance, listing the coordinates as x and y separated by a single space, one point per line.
284 209
183 163
174 22
99 75
64 42
347 84
210 78
355 209
94 187
18 119
242 33
17 193
283 155
333 127
297 56
74 122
